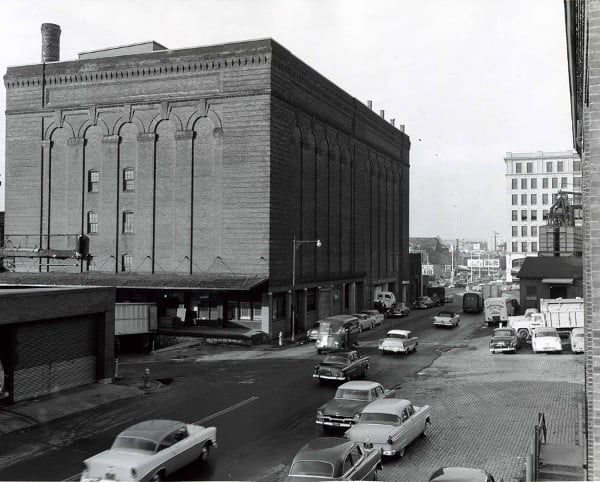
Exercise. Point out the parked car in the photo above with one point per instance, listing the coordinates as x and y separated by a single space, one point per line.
365 322
577 339
446 318
350 399
398 341
390 425
546 340
505 339
377 316
462 474
342 366
399 311
151 450
313 333
424 302
334 458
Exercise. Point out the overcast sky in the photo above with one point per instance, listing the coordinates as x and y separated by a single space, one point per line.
470 79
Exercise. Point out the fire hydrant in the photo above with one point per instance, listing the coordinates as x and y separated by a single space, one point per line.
280 338
146 376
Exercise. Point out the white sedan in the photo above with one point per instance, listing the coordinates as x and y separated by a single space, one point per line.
446 318
151 450
390 424
546 340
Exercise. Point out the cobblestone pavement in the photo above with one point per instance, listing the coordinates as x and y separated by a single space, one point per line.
485 407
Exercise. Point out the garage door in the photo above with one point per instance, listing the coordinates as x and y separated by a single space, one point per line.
54 355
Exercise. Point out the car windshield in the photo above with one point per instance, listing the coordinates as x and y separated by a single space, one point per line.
134 443
330 326
402 336
502 333
312 468
336 359
446 314
380 418
541 333
349 394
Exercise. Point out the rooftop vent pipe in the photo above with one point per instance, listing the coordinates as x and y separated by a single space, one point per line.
370 104
50 42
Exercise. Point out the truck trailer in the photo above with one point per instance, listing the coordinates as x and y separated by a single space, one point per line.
136 325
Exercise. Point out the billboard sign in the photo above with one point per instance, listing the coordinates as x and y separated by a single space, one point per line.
427 270
491 263
475 263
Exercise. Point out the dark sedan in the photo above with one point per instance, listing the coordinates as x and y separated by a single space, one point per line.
505 339
342 366
424 302
334 458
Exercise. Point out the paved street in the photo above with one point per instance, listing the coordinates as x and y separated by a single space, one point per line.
263 402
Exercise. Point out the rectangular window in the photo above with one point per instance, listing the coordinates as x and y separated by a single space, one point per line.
531 292
559 166
530 167
524 246
563 181
524 199
524 231
245 310
279 310
232 310
92 223
533 183
128 180
524 183
515 215
545 183
549 166
311 299
126 262
554 198
524 215
515 231
554 182
128 222
534 246
533 216
576 184
515 247
576 166
515 183
93 181
545 215
533 199
544 198
518 168
256 311
515 199
534 231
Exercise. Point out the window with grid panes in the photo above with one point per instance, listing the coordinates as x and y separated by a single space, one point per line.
554 182
534 215
515 199
534 246
515 183
524 215
93 181
544 183
534 230
515 247
127 222
524 183
549 166
559 166
544 198
524 246
530 167
523 231
518 168
515 231
126 262
524 199
515 215
128 179
92 222
534 199
563 181
533 183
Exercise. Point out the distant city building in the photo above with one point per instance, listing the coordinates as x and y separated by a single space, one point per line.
533 183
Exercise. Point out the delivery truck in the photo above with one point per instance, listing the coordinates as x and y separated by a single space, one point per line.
136 325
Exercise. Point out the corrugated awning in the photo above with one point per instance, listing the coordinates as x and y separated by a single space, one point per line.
558 281
200 281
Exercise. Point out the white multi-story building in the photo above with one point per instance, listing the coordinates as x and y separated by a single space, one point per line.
533 182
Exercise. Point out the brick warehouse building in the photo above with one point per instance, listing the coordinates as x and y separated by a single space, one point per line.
192 170
582 19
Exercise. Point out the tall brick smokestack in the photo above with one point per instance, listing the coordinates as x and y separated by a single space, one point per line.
50 42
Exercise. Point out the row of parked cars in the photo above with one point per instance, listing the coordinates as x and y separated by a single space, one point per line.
543 340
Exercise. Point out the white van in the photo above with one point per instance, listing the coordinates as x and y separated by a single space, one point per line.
497 310
387 298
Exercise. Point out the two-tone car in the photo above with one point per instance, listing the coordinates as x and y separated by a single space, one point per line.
577 339
423 303
390 424
446 318
377 316
334 458
505 340
151 450
365 322
342 366
546 339
399 341
350 398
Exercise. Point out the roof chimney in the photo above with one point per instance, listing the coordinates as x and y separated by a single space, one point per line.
370 104
50 42
393 122
382 113
401 127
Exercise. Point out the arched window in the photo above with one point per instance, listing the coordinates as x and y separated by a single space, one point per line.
92 222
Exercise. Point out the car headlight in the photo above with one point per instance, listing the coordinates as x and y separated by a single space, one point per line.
356 416
337 343
319 413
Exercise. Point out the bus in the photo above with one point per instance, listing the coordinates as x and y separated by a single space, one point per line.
472 302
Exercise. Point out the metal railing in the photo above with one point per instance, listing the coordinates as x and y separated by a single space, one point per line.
540 433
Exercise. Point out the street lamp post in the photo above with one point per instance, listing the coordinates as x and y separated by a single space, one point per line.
295 244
